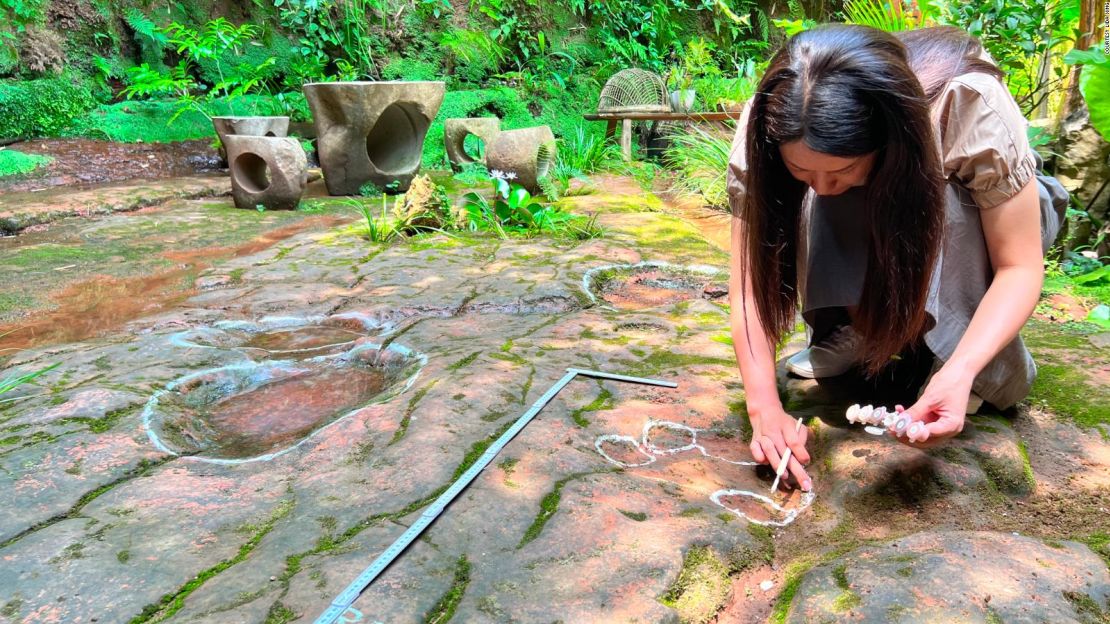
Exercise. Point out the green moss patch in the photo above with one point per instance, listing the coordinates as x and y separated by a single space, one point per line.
701 588
1064 385
604 401
18 163
848 599
1086 608
445 607
148 121
548 506
172 603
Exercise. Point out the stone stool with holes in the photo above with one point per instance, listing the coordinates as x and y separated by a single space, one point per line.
271 172
455 132
529 153
372 131
252 126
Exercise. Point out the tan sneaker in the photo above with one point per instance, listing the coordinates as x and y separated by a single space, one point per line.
833 356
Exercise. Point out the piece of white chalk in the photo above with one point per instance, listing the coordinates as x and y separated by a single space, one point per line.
874 430
785 458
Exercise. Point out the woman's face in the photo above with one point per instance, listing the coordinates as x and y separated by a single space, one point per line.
827 175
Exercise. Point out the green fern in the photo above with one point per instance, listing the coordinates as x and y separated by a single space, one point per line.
877 14
143 25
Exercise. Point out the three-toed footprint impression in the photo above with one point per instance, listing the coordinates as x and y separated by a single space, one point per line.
706 464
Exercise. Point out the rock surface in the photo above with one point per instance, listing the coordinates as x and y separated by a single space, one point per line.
957 577
619 502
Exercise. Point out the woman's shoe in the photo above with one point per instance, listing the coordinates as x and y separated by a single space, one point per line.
833 356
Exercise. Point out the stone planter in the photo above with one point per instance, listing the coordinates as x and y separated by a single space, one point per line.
250 126
455 132
266 171
371 131
518 151
683 101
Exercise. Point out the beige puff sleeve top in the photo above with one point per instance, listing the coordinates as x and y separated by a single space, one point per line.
981 137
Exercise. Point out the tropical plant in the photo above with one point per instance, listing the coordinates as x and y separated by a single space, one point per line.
515 210
1094 84
587 152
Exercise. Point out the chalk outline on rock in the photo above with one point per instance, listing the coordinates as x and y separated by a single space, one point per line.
651 451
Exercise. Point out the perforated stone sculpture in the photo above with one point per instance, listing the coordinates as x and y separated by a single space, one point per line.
266 171
528 153
455 132
371 131
250 126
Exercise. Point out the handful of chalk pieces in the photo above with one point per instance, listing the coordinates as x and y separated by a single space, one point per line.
879 420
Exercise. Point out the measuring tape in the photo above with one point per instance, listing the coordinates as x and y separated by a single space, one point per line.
340 611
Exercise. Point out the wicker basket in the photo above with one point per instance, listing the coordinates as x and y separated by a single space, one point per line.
633 90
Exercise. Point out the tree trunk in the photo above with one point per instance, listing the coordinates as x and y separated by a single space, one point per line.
1089 23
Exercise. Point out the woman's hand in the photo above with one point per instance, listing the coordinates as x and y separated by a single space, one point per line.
773 432
942 409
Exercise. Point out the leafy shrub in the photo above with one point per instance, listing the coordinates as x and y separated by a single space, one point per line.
43 107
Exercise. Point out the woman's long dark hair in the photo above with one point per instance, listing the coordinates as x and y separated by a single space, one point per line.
849 91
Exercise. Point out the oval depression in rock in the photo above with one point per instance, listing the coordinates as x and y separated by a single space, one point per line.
257 411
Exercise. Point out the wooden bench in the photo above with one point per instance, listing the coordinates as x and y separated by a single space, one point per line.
627 117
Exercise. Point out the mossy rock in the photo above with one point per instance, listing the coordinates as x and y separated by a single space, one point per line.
702 586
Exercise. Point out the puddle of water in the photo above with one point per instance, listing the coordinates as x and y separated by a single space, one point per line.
84 162
91 306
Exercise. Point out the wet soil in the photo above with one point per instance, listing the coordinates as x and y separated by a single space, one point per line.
83 162
79 278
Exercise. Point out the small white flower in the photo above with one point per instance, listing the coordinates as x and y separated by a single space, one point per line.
497 174
510 176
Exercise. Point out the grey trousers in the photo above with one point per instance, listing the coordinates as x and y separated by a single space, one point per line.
836 260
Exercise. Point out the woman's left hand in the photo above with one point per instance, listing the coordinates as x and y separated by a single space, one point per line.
942 410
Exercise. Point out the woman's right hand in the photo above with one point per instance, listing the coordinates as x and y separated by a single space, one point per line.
773 431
